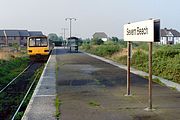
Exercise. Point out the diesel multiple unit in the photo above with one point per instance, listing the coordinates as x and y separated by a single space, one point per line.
39 48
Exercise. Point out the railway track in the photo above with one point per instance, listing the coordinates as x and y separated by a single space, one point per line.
12 95
14 79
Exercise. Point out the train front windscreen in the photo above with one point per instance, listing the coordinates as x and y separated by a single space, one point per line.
38 42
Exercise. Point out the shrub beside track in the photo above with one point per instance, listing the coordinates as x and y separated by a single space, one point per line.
11 97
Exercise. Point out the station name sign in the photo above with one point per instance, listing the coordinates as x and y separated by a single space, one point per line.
144 31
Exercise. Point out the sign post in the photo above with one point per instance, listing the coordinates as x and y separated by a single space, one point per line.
144 31
150 76
128 69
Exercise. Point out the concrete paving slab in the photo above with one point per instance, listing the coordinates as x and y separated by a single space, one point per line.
42 108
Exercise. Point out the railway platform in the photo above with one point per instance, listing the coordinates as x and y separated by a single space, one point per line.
91 89
41 106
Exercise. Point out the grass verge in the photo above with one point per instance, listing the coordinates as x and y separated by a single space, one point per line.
57 105
94 104
11 68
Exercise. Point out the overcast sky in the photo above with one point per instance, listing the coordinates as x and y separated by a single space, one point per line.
92 16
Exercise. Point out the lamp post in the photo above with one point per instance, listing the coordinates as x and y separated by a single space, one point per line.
64 33
70 20
64 36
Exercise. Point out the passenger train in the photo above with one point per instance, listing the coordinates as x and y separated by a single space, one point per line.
39 48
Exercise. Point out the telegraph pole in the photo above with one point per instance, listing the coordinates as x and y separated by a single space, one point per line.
64 36
70 22
64 33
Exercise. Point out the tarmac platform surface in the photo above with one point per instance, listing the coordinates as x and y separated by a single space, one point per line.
91 89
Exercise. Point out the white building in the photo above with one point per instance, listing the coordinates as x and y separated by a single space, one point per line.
100 35
169 36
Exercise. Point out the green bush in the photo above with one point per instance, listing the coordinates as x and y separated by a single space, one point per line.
105 50
96 41
57 43
140 60
86 47
19 115
10 69
166 62
166 52
142 46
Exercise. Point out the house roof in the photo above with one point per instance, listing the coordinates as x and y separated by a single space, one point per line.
2 33
100 35
23 33
35 33
175 33
20 33
165 32
12 33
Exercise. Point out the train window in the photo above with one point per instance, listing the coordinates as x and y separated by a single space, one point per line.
36 42
32 42
44 42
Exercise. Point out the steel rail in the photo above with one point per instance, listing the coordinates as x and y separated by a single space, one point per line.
24 97
15 78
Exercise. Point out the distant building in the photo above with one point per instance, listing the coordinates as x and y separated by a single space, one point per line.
9 37
2 37
12 37
100 35
169 36
35 33
24 34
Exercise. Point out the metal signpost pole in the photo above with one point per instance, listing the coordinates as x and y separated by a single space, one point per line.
150 76
128 69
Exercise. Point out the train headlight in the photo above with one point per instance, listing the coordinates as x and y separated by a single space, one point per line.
30 50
